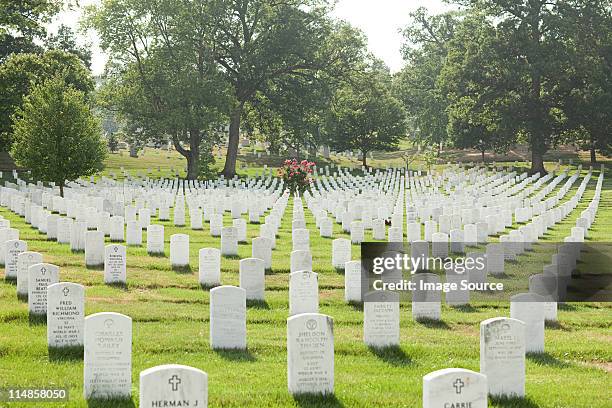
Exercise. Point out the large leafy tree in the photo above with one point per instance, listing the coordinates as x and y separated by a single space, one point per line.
364 115
57 136
20 72
585 27
162 80
416 85
503 72
23 21
65 40
258 43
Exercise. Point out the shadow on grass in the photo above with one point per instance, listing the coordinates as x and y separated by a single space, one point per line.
95 267
22 297
339 271
356 305
547 359
77 251
118 285
10 280
317 400
234 257
393 355
433 324
72 353
257 304
206 286
235 355
111 403
513 402
555 325
465 308
157 254
37 319
182 269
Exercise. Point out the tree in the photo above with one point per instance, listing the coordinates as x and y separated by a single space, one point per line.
57 136
162 81
585 28
416 85
365 116
20 72
508 59
65 40
23 21
258 42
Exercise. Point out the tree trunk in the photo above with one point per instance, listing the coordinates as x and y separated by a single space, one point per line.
61 186
133 151
592 151
482 152
193 158
364 159
229 170
537 162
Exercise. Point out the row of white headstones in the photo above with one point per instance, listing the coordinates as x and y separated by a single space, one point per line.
305 330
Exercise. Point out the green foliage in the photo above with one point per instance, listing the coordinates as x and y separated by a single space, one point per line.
417 84
65 40
23 21
206 162
20 72
113 142
364 114
56 135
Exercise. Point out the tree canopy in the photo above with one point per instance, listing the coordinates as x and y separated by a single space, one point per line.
57 137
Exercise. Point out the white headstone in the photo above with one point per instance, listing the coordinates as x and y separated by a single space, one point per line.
24 261
210 266
65 314
173 385
115 264
454 387
341 252
107 367
310 354
179 250
303 292
252 278
155 239
381 319
40 276
528 307
229 241
228 318
94 248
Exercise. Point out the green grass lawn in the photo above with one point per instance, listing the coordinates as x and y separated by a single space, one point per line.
170 314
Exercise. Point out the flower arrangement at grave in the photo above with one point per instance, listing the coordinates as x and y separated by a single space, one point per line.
296 175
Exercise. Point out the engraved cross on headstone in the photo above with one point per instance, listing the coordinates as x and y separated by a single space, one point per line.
66 291
174 381
458 384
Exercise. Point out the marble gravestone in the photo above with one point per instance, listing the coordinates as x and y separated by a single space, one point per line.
241 227
94 248
261 248
173 385
64 228
155 239
179 250
252 278
381 319
24 261
426 303
303 292
529 308
310 354
341 252
40 276
209 270
229 241
352 281
454 387
77 236
65 314
115 264
133 234
12 249
228 318
301 260
301 239
107 367
502 356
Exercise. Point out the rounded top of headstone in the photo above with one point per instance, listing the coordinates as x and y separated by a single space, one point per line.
501 320
171 367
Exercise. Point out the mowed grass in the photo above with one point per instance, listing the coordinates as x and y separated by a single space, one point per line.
170 313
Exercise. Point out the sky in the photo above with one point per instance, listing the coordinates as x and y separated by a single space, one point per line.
381 20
